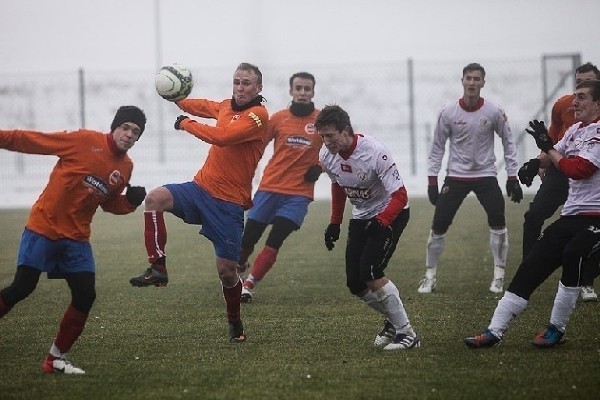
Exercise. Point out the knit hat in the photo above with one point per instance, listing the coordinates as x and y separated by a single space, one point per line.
129 114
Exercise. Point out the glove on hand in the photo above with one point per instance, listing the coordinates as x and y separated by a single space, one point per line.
374 228
332 234
312 173
178 121
513 190
528 171
432 190
540 134
135 194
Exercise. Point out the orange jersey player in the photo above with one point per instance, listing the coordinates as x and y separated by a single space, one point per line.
287 186
221 190
93 169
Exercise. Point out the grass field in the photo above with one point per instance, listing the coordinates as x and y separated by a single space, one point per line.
308 338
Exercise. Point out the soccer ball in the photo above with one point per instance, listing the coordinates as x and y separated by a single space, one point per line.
174 82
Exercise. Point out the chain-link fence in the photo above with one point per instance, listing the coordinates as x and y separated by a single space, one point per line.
396 102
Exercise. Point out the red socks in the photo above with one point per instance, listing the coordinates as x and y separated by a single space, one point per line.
71 326
264 262
155 235
4 309
233 298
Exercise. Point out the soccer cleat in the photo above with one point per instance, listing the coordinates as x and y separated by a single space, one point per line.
588 293
53 364
386 336
497 285
236 332
150 277
246 295
486 339
427 285
550 336
403 341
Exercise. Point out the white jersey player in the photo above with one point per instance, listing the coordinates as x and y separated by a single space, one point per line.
363 170
572 241
470 125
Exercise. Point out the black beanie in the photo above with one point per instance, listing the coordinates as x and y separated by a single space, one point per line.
129 114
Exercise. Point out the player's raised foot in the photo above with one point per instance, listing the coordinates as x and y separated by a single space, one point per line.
427 285
404 341
61 365
386 336
588 294
236 332
550 336
246 295
497 285
486 339
150 277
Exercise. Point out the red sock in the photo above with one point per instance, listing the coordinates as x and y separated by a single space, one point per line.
233 298
71 326
264 262
155 235
4 309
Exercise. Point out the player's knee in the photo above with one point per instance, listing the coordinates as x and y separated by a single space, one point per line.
83 300
158 199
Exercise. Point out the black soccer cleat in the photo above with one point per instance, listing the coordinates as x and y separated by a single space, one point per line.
150 277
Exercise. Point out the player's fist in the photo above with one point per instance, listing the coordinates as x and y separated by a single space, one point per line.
513 190
332 234
528 171
312 173
432 189
179 120
135 195
538 130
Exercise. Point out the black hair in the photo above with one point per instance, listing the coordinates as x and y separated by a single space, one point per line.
336 116
474 67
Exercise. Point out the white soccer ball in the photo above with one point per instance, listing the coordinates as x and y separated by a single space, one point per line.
174 82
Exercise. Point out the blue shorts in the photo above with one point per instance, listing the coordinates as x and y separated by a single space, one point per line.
268 205
55 256
222 221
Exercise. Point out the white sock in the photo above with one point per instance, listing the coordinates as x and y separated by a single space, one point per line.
498 272
370 299
55 352
499 246
508 308
564 305
389 299
435 247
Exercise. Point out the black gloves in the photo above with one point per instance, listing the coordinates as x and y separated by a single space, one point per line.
135 194
374 228
540 134
432 189
528 171
179 120
513 190
312 173
332 234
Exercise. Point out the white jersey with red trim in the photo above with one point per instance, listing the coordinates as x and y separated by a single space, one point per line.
471 136
584 194
369 176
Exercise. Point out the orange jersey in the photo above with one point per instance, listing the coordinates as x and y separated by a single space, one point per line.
296 147
238 142
563 116
88 174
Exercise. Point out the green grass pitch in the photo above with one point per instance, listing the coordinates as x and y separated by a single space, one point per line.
308 338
